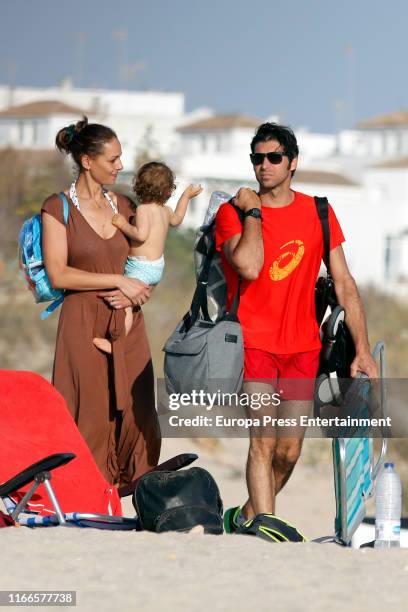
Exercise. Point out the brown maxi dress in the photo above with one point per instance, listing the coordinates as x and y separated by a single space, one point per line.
110 397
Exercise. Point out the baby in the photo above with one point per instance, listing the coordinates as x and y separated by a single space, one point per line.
153 185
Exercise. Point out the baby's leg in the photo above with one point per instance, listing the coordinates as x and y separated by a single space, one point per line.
104 345
128 320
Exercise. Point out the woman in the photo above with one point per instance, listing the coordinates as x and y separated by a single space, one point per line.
110 397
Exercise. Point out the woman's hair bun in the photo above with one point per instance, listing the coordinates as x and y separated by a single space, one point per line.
83 138
80 125
66 135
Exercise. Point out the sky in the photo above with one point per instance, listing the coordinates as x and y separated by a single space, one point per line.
321 64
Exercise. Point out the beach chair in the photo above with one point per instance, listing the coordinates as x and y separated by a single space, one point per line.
48 474
354 466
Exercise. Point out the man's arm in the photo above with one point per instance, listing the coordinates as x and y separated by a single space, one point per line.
349 298
245 252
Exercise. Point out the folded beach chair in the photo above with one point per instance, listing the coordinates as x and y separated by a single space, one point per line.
354 465
47 472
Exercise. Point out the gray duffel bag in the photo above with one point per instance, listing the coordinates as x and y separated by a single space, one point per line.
202 354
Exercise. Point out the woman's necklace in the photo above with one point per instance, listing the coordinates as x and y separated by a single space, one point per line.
74 198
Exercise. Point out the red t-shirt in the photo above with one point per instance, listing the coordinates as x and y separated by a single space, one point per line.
277 310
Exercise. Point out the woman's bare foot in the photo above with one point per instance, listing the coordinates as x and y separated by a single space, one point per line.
103 345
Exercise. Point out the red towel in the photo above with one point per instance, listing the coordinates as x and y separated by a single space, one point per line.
35 423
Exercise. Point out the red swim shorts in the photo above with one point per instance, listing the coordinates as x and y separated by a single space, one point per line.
292 375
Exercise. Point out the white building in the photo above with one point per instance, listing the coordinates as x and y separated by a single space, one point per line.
360 171
141 119
363 172
34 125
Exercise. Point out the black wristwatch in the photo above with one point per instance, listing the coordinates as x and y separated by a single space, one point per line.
254 212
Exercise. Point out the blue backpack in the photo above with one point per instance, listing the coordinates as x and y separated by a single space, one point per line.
32 263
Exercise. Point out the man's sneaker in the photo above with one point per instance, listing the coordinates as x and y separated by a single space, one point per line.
233 518
272 528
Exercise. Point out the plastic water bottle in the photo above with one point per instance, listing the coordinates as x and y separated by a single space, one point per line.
388 508
217 198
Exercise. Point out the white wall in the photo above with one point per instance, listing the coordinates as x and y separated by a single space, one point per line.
32 132
109 101
312 146
131 114
358 213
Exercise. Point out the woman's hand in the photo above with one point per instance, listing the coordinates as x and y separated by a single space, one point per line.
134 289
115 299
132 292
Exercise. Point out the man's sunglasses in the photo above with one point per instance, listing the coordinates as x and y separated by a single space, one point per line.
274 157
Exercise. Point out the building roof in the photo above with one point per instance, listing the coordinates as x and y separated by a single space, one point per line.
221 122
399 162
395 119
322 177
41 109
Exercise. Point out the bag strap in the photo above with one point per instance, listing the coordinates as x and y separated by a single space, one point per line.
55 303
322 206
200 300
233 313
63 197
203 278
46 313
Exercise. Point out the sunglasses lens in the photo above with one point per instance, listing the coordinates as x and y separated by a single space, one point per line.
274 158
257 158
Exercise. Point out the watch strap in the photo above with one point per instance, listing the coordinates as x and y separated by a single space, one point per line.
253 212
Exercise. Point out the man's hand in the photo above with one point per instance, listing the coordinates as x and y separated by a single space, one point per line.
364 362
246 199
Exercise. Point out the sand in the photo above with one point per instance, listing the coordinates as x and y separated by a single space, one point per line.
149 572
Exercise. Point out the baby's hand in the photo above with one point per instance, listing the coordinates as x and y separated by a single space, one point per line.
192 191
118 220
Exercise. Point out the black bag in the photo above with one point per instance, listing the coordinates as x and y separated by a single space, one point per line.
338 350
178 501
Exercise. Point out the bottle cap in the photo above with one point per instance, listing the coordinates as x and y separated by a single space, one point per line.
388 465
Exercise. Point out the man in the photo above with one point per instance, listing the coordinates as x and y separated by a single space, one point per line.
277 252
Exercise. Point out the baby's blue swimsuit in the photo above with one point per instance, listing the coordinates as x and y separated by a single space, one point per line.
146 270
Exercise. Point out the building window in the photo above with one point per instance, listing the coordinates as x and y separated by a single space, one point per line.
203 143
35 133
